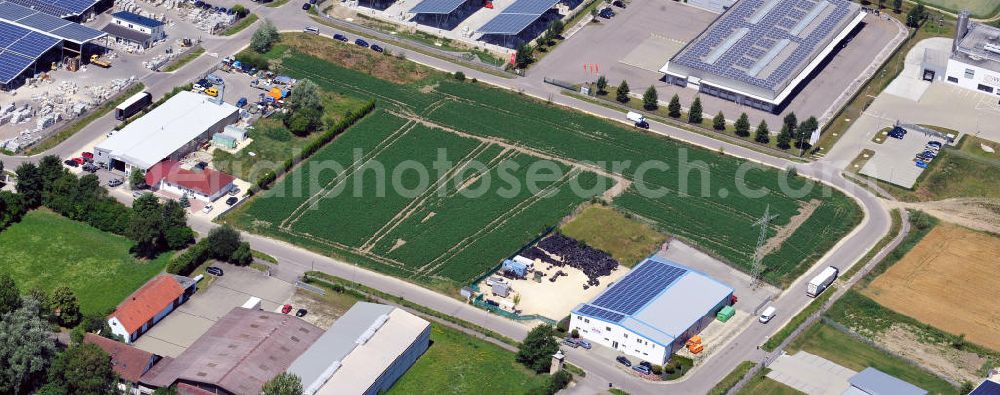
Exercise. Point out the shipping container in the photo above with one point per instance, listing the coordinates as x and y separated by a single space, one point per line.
133 105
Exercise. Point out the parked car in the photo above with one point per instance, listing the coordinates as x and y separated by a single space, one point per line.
377 48
242 102
306 6
583 343
619 4
643 369
70 163
570 342
90 168
607 13
935 144
232 200
301 312
208 208
87 155
361 43
897 133
340 37
197 88
234 191
215 80
79 161
114 182
767 314
215 271
136 194
921 164
646 364
212 92
205 83
624 361
286 309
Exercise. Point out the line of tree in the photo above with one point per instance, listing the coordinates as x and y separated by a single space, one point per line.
154 227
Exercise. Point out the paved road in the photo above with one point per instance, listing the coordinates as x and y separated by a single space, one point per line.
296 260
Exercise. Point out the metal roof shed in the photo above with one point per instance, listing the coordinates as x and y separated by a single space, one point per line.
874 382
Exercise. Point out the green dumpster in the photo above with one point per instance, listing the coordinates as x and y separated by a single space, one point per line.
725 314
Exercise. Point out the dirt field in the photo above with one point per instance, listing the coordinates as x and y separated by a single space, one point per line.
947 281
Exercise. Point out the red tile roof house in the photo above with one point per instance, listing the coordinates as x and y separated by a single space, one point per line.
128 362
148 305
206 184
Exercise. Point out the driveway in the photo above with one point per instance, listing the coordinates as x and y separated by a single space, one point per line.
810 374
175 333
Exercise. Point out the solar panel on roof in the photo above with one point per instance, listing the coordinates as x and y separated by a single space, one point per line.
59 8
640 286
531 7
508 24
43 22
10 33
603 314
12 11
33 45
437 6
12 65
78 33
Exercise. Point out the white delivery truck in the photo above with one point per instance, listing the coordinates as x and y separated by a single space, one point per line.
821 281
638 119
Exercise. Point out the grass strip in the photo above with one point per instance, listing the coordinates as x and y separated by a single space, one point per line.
337 284
81 123
897 224
276 3
727 383
184 59
240 25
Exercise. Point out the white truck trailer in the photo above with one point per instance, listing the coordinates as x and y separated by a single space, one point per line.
821 281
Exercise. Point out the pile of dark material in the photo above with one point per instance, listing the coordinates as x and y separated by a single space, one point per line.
536 253
593 262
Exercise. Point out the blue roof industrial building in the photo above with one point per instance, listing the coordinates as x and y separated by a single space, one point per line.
652 311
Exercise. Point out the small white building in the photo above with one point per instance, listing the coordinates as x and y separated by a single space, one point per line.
652 311
975 59
148 305
131 28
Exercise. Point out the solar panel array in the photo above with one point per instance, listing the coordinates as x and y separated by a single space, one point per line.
633 292
58 8
437 6
517 17
777 21
19 48
52 26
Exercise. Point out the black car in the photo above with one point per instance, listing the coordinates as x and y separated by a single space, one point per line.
642 125
340 37
70 163
232 200
214 271
642 369
90 168
624 361
619 4
300 313
361 43
377 48
204 83
607 13
306 6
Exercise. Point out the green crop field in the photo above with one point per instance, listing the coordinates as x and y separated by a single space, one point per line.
47 250
696 197
978 8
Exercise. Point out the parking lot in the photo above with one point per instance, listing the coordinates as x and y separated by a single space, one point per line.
187 323
893 160
640 39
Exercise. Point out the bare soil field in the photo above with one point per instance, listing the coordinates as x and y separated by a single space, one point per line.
947 281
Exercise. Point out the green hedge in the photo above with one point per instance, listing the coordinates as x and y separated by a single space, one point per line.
185 263
331 132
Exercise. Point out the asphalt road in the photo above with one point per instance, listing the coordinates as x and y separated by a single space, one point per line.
295 260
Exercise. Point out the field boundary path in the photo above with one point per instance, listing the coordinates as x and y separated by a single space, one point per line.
296 260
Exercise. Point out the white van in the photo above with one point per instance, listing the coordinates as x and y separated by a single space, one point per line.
767 314
311 29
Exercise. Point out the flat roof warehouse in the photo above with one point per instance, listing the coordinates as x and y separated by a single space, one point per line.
763 49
